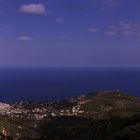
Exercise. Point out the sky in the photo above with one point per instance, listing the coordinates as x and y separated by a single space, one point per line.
69 33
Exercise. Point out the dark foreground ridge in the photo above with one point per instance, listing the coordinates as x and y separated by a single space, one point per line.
108 115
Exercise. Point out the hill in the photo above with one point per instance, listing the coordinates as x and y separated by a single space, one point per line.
107 115
108 104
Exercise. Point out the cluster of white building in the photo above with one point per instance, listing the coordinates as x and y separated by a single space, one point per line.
19 110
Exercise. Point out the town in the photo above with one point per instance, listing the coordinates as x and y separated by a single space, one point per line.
39 111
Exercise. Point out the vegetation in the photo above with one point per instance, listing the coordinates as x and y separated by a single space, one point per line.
107 116
77 128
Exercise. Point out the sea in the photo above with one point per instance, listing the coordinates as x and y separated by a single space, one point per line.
43 84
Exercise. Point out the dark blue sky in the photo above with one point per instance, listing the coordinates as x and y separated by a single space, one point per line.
69 33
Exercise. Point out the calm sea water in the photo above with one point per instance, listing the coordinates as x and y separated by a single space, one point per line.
57 83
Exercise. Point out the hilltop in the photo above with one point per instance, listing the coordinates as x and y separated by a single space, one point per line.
107 104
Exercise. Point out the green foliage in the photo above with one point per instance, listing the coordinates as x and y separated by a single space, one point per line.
77 128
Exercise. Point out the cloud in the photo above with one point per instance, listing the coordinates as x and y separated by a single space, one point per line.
127 32
24 39
112 3
63 37
110 33
124 29
92 30
60 20
82 5
74 7
33 9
